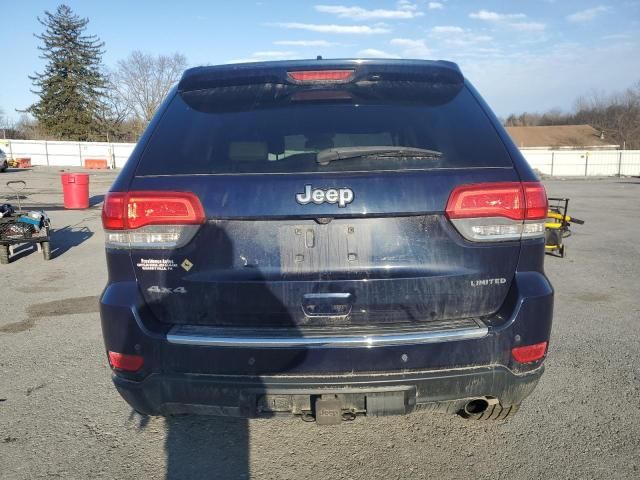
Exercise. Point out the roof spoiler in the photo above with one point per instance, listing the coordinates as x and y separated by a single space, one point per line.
436 71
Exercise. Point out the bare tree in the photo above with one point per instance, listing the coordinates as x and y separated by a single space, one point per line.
3 125
143 80
4 120
8 128
114 113
616 115
27 128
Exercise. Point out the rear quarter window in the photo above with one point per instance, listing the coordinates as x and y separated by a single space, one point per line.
198 136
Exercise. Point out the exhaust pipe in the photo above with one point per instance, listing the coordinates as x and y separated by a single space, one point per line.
475 407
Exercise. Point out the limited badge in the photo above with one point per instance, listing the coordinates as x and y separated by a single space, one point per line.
186 264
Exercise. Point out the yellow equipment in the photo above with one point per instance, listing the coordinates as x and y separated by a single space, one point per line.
557 226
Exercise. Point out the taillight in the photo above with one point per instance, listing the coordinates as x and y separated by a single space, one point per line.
125 362
312 76
487 200
151 219
536 201
498 211
113 211
163 208
529 353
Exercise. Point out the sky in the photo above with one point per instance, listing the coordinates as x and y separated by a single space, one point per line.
522 55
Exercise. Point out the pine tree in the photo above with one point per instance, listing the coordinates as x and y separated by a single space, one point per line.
72 85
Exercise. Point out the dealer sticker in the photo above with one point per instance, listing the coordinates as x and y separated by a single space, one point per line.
157 264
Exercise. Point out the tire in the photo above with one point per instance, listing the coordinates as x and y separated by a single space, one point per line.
4 254
46 250
493 412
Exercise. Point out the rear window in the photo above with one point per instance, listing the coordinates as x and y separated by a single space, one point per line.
221 131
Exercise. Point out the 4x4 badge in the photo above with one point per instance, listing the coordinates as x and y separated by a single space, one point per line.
341 196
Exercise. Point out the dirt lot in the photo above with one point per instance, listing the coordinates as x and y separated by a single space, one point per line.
61 417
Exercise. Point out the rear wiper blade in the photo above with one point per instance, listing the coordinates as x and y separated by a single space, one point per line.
328 155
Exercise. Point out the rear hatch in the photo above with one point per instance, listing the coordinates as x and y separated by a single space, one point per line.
323 196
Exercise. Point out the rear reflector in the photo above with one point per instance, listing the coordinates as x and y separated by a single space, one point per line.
498 211
124 362
529 353
321 75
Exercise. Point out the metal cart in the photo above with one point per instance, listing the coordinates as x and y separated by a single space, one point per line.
14 232
557 226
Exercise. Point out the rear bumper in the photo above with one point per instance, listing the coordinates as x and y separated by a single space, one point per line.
373 395
227 376
265 338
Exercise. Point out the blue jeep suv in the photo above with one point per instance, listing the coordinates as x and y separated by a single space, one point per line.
326 239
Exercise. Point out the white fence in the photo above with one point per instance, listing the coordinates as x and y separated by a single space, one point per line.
572 163
559 163
68 154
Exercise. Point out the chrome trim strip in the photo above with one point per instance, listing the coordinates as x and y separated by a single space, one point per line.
351 341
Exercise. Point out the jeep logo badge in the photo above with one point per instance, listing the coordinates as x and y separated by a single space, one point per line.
341 196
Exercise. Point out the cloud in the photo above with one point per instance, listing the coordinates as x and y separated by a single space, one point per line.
455 36
411 48
305 43
527 26
405 10
480 53
406 5
265 55
435 6
489 16
340 29
507 19
512 84
375 53
587 15
272 54
447 29
407 42
617 36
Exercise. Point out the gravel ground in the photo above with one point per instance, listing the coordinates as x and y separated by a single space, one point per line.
61 417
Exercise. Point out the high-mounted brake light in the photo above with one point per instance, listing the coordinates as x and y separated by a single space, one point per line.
321 75
498 211
151 219
529 353
124 362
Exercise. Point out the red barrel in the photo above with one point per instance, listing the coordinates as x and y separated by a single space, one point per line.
24 162
75 188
